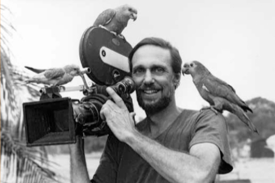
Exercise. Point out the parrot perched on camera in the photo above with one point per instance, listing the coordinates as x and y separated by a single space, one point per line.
55 76
220 95
115 20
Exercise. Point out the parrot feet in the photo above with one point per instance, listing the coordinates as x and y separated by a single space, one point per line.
211 108
118 35
121 36
113 32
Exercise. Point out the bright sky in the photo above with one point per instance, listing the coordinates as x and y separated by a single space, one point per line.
233 38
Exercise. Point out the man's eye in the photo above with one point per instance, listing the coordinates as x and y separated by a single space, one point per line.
159 70
138 70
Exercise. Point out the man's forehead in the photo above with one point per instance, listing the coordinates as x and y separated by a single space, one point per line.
151 53
150 48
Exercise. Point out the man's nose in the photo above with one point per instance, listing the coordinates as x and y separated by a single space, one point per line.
148 78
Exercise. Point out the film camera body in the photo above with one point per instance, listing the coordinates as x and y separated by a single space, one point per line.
56 120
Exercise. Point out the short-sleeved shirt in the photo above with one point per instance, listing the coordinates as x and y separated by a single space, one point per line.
119 163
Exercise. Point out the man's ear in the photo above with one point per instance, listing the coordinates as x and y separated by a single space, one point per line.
176 80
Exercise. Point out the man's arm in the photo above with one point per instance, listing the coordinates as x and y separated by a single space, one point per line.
200 165
79 172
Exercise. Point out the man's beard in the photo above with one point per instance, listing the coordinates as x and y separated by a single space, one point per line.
154 107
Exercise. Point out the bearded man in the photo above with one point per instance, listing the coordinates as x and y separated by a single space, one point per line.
171 144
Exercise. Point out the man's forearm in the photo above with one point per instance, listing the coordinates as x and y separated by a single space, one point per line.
172 165
79 171
197 166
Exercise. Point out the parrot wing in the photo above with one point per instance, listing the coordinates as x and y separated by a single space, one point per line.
54 73
234 109
105 17
218 87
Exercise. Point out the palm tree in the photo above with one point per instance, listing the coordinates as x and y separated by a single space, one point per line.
18 162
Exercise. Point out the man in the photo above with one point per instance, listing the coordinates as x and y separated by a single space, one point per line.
170 144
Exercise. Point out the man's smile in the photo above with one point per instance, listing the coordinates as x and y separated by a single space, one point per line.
150 91
150 94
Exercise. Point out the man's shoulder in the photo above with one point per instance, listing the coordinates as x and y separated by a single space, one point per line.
194 117
205 113
189 114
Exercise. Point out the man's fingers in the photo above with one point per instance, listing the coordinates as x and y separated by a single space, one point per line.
133 114
102 111
117 99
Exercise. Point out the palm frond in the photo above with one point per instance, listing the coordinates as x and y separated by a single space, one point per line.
18 162
26 160
6 66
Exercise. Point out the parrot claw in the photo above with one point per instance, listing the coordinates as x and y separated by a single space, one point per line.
211 108
114 33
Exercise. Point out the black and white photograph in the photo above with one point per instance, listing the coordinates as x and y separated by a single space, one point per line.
116 91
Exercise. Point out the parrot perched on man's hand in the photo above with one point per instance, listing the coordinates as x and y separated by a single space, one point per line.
55 76
220 95
115 20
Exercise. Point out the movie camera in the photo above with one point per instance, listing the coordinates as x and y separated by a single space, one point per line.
57 120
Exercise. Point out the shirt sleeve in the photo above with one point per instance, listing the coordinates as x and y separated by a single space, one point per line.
107 169
210 127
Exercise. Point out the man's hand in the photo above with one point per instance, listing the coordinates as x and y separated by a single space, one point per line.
117 116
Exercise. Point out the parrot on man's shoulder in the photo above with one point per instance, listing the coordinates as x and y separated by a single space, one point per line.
220 95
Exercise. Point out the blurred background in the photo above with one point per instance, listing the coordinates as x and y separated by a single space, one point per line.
234 39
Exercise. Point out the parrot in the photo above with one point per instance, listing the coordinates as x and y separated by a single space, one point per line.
115 20
55 76
220 95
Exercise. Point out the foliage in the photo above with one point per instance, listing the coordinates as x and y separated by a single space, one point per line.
19 162
26 159
263 117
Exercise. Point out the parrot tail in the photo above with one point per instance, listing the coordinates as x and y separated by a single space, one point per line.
35 70
243 117
246 108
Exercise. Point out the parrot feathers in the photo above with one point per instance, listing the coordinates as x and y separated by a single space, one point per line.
55 76
115 20
54 73
34 69
217 92
105 17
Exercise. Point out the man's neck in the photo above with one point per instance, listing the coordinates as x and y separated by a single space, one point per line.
160 121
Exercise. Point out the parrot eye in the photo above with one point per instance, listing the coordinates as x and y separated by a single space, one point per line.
191 65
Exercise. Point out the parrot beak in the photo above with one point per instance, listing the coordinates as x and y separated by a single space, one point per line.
185 69
134 16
